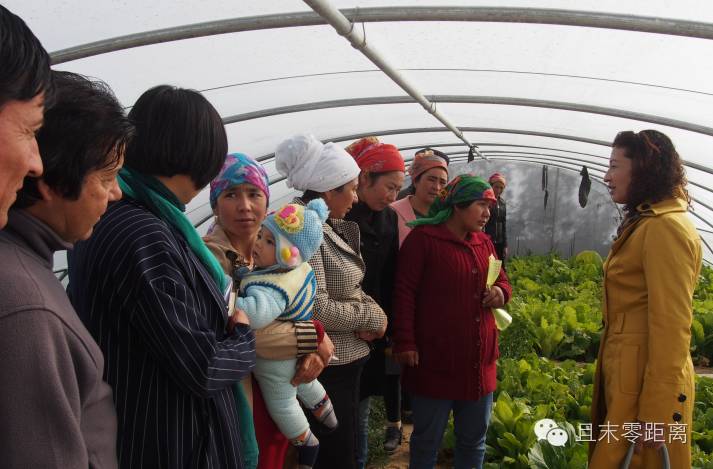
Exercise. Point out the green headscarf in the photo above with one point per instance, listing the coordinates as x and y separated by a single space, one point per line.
464 188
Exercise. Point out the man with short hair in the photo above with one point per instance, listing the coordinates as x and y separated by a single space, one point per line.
55 408
25 92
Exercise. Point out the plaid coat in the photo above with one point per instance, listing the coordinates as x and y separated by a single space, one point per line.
341 304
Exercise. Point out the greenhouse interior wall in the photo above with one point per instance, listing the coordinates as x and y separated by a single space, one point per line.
533 89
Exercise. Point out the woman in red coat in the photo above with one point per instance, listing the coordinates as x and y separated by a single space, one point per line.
444 330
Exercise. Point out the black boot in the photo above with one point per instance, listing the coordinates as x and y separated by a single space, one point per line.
393 439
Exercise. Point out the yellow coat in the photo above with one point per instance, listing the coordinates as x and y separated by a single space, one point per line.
644 370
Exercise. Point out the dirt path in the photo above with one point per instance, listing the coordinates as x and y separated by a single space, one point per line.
399 460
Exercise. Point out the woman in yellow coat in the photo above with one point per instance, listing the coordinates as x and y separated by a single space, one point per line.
644 388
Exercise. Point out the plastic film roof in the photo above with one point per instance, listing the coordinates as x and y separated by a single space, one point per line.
524 91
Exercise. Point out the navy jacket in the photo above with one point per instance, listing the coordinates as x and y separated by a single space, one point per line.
160 320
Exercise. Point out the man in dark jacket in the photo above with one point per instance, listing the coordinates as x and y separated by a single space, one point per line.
496 227
55 408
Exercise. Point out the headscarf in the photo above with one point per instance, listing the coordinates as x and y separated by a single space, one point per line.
239 169
464 188
425 160
309 164
376 157
496 177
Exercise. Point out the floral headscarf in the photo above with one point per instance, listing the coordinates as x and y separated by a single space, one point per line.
238 169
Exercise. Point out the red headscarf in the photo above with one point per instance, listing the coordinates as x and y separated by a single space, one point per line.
376 157
496 177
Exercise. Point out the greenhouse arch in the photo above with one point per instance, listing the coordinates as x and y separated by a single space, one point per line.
532 91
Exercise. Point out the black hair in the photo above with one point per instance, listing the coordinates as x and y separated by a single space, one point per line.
657 170
177 132
310 195
24 63
373 178
85 131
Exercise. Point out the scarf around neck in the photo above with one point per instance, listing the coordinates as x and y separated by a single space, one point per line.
165 205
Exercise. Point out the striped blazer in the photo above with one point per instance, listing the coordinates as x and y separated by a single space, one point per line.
341 304
160 320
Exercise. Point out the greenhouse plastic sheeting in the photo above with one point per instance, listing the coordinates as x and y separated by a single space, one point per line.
527 94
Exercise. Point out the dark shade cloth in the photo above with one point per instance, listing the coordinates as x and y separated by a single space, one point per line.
161 322
438 312
585 185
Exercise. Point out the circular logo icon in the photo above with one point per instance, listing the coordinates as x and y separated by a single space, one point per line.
542 427
557 437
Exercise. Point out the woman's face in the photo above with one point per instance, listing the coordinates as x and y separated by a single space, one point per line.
241 209
475 216
340 202
430 184
381 193
618 177
498 188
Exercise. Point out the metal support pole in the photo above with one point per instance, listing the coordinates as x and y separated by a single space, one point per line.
358 40
588 19
497 100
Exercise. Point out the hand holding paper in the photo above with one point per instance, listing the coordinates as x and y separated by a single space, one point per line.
502 317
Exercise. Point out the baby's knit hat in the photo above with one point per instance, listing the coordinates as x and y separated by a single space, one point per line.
297 230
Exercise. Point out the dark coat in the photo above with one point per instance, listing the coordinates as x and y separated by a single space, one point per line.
496 227
379 234
160 320
438 312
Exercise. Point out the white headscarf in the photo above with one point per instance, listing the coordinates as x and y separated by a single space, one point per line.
309 164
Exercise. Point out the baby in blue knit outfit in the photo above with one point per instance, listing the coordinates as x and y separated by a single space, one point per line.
282 286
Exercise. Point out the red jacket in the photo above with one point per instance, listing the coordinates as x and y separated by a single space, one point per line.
438 312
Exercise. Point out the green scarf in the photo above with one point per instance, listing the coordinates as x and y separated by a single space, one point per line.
164 204
464 188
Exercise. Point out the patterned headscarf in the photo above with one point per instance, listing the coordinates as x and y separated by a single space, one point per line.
376 157
238 169
464 188
425 160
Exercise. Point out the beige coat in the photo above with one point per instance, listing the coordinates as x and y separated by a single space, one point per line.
644 370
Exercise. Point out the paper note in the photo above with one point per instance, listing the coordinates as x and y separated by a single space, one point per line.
502 317
494 266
